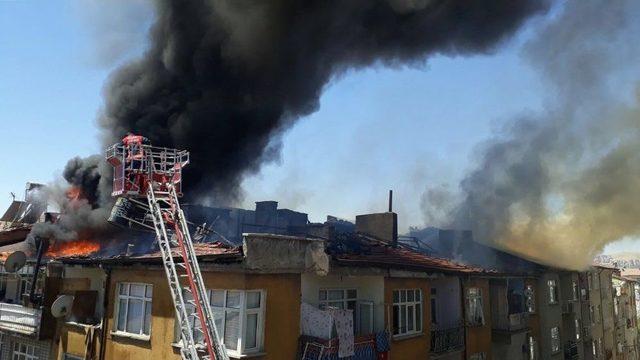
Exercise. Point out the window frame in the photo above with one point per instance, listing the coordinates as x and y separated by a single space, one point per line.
18 354
477 298
127 297
530 298
345 300
556 342
397 307
552 287
532 347
243 312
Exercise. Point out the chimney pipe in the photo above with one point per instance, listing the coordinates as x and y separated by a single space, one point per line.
390 200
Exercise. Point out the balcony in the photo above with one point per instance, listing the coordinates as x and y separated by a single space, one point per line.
445 340
20 319
512 322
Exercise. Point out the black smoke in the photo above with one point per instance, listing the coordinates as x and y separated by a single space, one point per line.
224 78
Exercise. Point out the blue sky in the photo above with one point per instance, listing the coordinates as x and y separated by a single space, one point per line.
376 129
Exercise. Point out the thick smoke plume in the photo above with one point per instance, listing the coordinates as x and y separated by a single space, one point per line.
560 185
223 79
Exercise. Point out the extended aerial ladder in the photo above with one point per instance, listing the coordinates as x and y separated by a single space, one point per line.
143 171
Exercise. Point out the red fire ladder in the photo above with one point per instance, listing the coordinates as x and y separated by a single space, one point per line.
183 274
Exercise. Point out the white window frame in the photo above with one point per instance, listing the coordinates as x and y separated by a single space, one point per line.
552 287
574 290
29 352
555 339
324 302
532 350
243 313
127 297
401 305
476 298
578 329
365 308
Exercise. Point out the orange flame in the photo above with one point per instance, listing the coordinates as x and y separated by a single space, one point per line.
73 248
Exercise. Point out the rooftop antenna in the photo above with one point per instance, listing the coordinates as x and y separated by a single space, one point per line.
390 200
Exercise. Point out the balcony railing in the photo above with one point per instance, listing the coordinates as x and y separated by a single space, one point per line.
20 319
443 340
571 351
512 322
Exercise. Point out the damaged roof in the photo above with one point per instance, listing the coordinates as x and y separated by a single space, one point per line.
204 252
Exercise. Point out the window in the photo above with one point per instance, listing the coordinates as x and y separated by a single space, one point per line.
407 312
339 298
531 344
434 306
133 308
478 356
365 318
239 318
574 290
594 350
555 339
553 291
589 281
23 352
615 307
530 299
475 313
577 325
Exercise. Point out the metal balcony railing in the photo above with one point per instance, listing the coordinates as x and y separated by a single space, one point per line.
20 319
443 340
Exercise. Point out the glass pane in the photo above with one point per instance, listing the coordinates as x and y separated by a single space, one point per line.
122 309
336 294
233 299
217 298
403 296
147 318
403 318
410 296
252 331
418 295
396 296
149 292
418 317
231 329
253 300
352 294
410 318
323 295
351 305
217 318
124 289
136 290
134 316
396 319
336 304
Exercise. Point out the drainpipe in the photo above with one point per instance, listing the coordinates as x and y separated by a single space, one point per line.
105 302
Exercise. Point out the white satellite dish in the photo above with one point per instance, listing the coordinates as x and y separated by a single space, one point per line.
15 261
61 306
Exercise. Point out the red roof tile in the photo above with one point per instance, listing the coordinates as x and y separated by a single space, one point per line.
404 258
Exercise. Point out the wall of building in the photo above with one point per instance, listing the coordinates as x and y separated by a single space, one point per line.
550 315
282 315
478 338
369 288
412 347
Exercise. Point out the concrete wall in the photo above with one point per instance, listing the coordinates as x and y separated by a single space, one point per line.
478 338
369 288
550 316
282 317
384 226
413 347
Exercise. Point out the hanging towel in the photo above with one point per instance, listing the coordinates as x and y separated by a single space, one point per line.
343 321
315 322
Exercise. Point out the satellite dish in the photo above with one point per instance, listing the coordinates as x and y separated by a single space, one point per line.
61 306
15 261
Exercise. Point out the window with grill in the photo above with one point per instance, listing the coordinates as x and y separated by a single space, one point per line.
22 351
475 312
133 308
407 312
